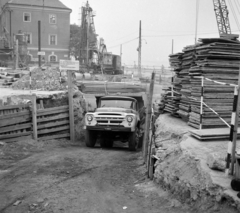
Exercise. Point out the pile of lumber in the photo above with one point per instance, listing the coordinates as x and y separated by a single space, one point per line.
170 100
47 80
212 134
216 59
8 77
99 87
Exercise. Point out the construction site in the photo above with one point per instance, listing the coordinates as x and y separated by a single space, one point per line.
83 133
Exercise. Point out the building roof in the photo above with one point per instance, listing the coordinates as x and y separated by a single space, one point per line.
45 3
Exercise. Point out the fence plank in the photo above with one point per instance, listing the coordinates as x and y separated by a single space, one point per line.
53 110
56 117
15 135
18 138
19 106
45 131
20 119
65 135
14 115
14 128
58 123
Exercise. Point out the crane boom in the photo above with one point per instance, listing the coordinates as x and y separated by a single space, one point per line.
221 13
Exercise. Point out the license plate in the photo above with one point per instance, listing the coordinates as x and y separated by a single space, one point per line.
108 128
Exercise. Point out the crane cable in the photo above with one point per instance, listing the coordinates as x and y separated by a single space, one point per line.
234 14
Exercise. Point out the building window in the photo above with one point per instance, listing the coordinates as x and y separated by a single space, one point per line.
28 37
52 19
27 17
53 39
53 58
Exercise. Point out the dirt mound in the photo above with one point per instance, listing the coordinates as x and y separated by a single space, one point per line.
47 80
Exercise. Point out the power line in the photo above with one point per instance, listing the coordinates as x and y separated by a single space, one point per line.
234 14
123 36
237 6
123 43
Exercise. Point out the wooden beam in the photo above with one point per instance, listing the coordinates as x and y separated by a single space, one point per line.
53 110
56 117
14 115
57 129
65 135
58 123
19 106
17 120
34 116
27 137
15 135
70 101
148 119
16 127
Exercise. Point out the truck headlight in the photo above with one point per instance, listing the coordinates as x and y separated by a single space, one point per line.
129 119
89 117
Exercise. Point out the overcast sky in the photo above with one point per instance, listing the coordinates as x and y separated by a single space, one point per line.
117 22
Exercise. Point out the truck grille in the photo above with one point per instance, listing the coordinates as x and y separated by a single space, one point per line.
109 120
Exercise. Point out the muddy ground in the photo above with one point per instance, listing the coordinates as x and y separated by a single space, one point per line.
57 176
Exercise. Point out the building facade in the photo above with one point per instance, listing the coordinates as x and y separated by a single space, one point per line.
22 16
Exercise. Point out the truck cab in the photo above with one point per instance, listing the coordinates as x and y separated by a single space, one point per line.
115 118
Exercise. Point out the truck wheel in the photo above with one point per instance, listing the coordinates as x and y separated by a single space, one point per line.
90 138
106 143
133 140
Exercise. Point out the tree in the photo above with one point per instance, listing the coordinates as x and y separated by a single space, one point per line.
74 46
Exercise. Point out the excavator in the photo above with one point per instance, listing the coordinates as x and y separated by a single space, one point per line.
93 56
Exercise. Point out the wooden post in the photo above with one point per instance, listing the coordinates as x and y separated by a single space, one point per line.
70 102
34 116
151 166
234 140
148 119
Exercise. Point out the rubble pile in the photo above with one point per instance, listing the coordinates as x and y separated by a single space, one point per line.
47 80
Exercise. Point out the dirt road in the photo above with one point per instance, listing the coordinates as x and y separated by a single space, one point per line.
56 176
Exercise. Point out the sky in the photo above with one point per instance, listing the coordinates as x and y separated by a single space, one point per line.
166 25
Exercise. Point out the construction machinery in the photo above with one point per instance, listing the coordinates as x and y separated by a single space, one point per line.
221 13
93 56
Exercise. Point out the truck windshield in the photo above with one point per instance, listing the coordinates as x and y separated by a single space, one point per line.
127 104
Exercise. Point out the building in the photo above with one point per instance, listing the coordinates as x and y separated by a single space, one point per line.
23 16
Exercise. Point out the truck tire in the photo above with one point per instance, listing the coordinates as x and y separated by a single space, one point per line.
133 140
90 138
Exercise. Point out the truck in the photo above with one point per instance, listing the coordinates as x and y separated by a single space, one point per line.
116 117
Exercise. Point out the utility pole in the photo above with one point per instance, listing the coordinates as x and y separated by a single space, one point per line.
121 51
139 51
39 44
17 55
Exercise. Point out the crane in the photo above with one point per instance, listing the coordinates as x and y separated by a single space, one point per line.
221 13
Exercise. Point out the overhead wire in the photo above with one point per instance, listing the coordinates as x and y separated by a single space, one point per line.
123 43
235 1
234 14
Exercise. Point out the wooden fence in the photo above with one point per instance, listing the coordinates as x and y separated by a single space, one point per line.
26 121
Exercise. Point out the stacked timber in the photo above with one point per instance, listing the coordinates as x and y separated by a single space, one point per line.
99 87
170 99
48 80
187 61
216 59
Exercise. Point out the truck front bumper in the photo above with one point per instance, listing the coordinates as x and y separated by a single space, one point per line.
110 128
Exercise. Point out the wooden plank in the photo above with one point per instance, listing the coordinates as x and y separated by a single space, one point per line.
65 135
18 120
45 131
56 117
58 123
49 111
19 106
34 116
15 135
212 132
14 128
70 102
28 137
14 115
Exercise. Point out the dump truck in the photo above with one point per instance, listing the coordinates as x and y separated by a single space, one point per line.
115 117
